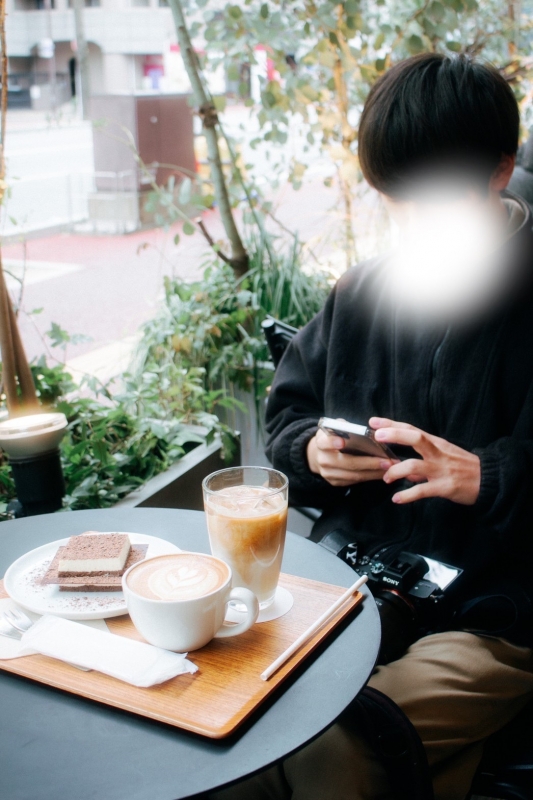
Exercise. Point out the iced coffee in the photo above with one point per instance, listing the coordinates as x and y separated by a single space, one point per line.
247 523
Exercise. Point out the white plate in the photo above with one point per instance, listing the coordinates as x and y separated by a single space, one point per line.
21 582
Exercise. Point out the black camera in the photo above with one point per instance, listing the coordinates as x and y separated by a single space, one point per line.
409 590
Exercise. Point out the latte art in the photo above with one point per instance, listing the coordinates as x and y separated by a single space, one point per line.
181 576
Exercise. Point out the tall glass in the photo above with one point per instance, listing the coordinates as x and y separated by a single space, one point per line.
246 510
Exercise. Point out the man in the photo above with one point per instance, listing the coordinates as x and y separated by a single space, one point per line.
442 365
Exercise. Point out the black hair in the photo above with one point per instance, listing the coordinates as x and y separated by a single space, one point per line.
432 113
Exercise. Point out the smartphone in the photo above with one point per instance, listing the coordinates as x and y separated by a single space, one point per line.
359 439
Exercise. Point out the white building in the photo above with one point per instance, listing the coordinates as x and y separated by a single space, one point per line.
54 175
132 47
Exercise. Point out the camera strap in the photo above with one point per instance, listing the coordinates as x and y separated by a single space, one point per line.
338 540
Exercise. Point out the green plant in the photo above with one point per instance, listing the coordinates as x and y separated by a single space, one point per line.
212 328
116 443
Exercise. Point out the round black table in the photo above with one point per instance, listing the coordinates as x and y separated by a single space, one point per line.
54 745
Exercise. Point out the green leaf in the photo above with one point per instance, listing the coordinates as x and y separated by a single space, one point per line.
57 335
208 200
351 6
220 102
264 11
454 46
368 73
177 239
235 12
233 72
310 92
430 29
189 228
333 38
436 11
415 44
269 99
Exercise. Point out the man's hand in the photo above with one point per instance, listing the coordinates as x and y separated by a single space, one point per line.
342 469
444 470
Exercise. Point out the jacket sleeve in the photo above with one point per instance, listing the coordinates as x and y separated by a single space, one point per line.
295 405
505 501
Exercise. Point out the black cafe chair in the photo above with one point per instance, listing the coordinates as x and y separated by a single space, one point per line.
506 769
278 335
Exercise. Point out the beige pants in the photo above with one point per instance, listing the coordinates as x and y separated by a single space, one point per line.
456 688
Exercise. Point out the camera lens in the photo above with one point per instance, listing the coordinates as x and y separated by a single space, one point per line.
398 628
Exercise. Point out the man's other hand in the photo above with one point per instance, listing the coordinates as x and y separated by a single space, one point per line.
444 470
341 469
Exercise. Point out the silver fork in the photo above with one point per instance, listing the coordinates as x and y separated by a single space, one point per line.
18 620
6 629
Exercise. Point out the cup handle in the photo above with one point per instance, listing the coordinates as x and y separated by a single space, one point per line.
252 612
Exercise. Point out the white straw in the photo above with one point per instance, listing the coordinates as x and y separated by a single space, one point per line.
312 629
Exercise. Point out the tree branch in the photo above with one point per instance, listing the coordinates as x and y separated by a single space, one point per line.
208 114
199 221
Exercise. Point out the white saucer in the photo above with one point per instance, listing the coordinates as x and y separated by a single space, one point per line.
283 602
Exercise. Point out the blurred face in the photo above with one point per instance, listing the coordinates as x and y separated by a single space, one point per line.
447 244
446 194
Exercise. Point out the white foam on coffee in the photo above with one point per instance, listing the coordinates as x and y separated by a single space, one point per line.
180 577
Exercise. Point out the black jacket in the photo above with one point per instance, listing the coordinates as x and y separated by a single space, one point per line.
470 384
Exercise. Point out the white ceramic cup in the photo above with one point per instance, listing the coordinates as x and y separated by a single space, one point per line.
188 624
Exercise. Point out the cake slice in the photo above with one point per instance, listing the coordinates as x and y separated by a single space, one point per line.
90 583
94 554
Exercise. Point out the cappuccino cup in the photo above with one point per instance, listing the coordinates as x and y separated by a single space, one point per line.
178 601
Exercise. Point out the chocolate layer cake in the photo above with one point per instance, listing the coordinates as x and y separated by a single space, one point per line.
91 583
94 554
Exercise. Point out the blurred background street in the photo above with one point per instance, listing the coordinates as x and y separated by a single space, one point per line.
101 287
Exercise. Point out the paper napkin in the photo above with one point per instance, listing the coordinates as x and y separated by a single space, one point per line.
126 659
10 648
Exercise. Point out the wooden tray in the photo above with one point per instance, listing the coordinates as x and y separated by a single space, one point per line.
227 687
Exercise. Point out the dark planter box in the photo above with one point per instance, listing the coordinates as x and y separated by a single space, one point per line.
181 485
